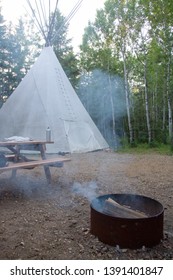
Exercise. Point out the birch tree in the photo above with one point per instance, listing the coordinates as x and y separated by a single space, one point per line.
160 16
136 36
123 44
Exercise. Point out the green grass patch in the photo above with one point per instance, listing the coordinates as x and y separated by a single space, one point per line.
146 149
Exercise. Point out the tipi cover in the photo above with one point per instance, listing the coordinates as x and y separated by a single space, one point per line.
45 98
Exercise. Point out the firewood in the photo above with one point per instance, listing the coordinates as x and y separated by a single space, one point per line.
117 210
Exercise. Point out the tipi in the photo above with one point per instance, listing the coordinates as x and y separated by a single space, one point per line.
45 98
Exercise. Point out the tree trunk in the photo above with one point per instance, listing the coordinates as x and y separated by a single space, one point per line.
147 105
127 99
164 113
113 115
168 98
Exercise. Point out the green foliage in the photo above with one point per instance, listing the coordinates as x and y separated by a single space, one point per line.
139 34
16 55
146 149
3 57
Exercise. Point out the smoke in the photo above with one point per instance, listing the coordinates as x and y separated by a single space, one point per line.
103 96
89 190
86 189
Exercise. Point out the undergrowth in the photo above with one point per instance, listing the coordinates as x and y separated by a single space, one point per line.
146 149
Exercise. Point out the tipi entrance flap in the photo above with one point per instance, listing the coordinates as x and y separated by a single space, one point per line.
80 136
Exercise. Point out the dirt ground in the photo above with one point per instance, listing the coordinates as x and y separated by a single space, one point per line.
40 221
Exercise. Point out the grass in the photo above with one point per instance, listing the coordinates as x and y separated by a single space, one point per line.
161 149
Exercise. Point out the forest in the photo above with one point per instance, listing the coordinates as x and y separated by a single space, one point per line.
123 73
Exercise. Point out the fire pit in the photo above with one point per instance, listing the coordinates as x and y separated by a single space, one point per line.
127 220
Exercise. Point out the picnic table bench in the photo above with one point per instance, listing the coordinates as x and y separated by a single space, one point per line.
17 160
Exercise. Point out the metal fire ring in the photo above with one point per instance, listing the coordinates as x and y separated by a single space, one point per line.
128 232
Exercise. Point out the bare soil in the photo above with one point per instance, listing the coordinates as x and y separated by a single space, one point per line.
40 221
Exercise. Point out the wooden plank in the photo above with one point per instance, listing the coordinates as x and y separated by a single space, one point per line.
117 210
9 156
47 162
30 142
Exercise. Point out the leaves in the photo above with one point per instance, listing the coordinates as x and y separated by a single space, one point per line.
134 39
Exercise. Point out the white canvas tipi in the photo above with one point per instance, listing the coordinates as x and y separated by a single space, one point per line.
45 98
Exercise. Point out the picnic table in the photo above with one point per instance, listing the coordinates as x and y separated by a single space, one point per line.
17 159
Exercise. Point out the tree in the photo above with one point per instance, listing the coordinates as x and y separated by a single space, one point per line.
19 55
105 46
133 38
3 58
160 16
63 49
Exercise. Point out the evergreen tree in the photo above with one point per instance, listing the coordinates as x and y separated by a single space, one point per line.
63 49
3 59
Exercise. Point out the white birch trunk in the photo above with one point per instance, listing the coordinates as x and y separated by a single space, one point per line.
164 104
127 98
147 105
113 114
168 98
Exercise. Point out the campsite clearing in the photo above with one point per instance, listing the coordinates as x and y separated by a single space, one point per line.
41 222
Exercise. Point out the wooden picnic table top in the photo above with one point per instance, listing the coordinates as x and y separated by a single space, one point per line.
28 142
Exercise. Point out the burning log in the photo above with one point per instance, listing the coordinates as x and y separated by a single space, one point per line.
115 209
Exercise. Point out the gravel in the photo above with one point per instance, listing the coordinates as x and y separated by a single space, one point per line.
40 221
